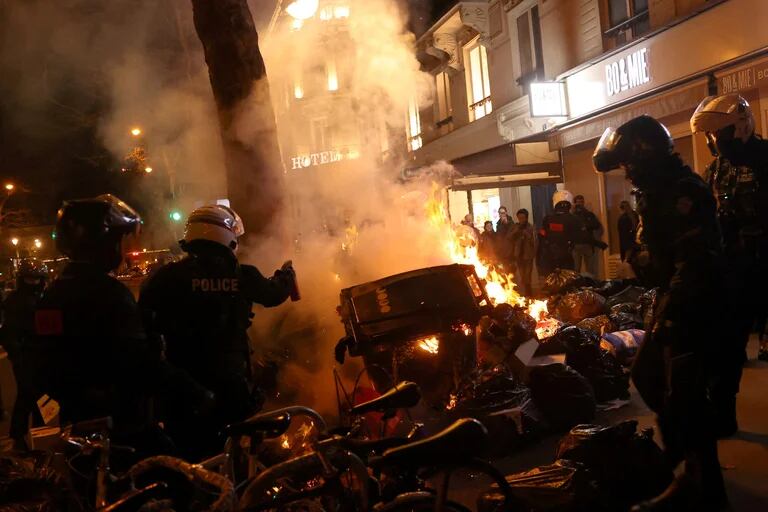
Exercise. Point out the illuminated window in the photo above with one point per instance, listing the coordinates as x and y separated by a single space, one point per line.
333 78
479 84
296 24
413 124
443 88
326 13
298 92
341 11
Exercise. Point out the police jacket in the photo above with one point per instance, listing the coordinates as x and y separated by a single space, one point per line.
559 231
680 249
741 189
90 353
201 306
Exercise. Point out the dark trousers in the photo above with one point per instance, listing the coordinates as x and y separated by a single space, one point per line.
522 277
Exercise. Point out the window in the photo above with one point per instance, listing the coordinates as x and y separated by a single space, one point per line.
333 78
529 47
628 19
443 88
479 84
330 12
413 124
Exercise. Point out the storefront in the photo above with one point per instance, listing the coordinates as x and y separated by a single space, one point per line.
648 77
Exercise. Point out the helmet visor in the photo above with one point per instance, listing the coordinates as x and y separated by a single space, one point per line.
606 157
120 217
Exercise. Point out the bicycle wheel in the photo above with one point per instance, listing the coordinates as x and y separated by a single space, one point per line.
418 502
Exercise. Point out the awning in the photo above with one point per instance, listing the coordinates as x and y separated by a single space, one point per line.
659 106
505 180
501 160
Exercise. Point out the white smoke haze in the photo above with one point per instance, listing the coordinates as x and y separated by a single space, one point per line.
143 59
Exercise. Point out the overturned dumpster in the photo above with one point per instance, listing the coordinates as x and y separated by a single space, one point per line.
418 325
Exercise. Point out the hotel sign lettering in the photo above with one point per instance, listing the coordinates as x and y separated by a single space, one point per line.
313 159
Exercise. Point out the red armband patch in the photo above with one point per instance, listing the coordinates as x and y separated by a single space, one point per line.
556 228
49 322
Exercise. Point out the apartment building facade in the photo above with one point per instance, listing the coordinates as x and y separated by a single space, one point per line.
561 71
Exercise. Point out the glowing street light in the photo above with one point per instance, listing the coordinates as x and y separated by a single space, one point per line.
147 170
38 243
302 9
136 132
15 241
9 187
175 215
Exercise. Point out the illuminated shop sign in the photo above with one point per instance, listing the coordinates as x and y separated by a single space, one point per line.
628 72
548 99
314 159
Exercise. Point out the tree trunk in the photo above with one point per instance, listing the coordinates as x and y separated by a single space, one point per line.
246 118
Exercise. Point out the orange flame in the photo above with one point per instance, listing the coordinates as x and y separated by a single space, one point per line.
431 344
499 286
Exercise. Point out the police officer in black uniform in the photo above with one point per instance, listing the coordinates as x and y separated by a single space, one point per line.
18 327
681 255
90 352
559 232
739 179
201 306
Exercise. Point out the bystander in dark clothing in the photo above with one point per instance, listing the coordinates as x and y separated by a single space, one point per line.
523 237
486 249
628 221
587 242
503 242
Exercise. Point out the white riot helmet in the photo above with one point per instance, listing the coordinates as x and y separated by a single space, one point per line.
562 196
726 120
215 223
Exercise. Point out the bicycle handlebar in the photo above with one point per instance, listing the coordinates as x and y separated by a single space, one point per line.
226 500
294 411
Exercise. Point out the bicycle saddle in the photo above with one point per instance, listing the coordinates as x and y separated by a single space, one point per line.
404 394
270 426
462 439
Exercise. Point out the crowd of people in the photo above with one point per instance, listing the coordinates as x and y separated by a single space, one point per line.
569 238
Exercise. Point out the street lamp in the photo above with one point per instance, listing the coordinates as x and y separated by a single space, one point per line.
302 9
147 170
136 131
15 241
9 187
38 243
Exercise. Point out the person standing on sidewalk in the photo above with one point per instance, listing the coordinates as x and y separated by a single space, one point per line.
627 225
523 238
503 243
585 248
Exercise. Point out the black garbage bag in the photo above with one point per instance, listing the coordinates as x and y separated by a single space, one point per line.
576 306
517 324
564 397
584 354
647 302
628 465
504 406
629 294
598 324
634 308
626 321
563 281
564 486
611 287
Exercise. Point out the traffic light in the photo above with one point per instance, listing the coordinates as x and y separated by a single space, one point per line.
175 216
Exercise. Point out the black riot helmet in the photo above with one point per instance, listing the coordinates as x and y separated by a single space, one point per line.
638 145
92 230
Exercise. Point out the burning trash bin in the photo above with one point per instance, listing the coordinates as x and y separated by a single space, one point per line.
418 326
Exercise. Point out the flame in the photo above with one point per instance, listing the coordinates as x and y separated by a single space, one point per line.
285 443
451 403
431 344
464 328
500 286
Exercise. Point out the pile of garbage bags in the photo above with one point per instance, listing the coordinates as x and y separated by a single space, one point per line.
597 468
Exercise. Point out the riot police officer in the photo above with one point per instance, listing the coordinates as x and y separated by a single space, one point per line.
90 352
18 327
681 255
201 306
739 179
559 231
